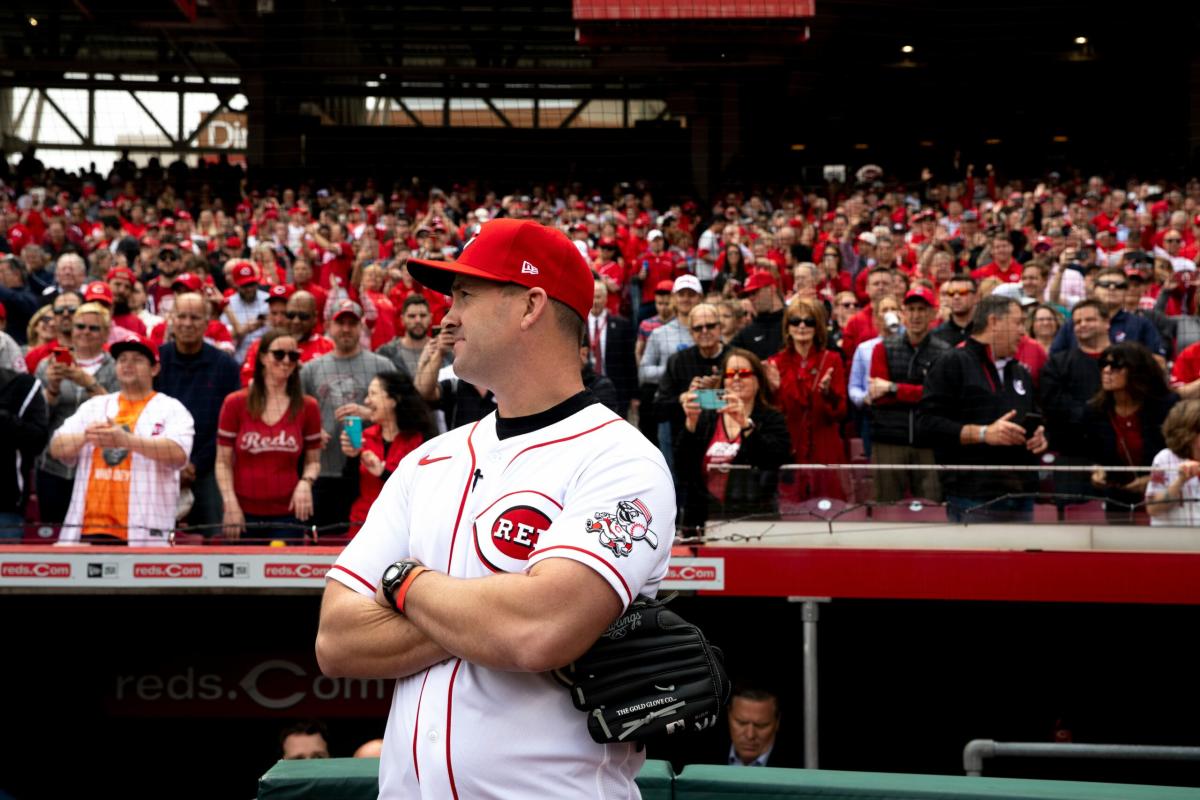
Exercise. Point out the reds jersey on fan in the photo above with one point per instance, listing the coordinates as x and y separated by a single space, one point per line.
588 487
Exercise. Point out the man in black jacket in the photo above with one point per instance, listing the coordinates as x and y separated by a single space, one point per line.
962 294
763 336
611 344
694 367
23 419
898 370
972 411
1068 381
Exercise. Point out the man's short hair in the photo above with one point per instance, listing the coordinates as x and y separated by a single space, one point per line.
570 323
413 299
993 306
1115 271
755 694
879 268
1096 304
964 278
18 266
307 727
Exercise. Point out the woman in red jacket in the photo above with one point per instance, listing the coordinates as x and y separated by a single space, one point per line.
809 383
399 422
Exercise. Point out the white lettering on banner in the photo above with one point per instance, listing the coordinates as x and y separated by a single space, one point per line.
295 570
33 569
168 571
254 443
691 573
696 574
192 685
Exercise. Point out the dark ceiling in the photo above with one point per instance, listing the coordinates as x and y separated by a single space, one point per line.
836 83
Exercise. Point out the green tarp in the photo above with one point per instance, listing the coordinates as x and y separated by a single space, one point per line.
355 779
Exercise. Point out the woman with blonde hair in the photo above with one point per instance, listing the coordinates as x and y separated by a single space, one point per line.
70 377
41 329
1173 493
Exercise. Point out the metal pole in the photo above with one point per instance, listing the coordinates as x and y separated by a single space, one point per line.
810 614
977 750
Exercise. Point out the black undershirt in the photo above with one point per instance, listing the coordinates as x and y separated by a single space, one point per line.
516 426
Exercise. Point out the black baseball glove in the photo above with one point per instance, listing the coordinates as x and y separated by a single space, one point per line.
650 673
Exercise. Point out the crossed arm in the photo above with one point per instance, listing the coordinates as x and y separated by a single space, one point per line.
529 622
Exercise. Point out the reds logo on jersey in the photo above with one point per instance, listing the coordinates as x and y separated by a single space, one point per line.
619 531
507 531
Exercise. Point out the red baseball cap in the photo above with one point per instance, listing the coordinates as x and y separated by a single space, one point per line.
923 293
121 272
99 292
759 279
18 237
521 252
245 274
664 287
280 291
233 243
188 281
137 342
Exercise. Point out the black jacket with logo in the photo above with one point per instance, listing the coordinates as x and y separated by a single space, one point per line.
964 388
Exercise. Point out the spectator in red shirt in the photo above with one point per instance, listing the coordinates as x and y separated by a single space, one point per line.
861 326
120 280
302 280
1002 266
263 435
399 422
336 254
654 266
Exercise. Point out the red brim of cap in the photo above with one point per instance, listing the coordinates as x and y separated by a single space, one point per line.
439 275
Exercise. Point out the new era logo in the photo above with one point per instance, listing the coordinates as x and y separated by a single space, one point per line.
528 269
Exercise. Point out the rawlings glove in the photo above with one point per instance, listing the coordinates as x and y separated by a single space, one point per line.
650 673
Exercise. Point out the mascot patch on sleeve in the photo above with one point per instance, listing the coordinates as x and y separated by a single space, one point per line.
618 532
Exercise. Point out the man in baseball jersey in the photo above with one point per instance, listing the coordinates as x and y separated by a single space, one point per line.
503 549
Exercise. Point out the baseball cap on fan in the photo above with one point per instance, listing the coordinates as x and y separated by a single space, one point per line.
517 251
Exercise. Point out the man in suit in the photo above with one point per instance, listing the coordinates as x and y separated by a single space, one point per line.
752 738
754 719
611 343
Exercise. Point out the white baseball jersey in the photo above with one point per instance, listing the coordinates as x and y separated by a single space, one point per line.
586 486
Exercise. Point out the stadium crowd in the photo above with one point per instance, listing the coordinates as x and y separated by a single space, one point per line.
249 363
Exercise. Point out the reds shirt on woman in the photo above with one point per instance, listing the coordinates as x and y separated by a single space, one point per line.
266 458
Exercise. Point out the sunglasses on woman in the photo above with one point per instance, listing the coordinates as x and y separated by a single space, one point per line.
808 322
1112 363
742 374
291 355
79 326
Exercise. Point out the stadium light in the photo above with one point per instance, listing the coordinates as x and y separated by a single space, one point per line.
908 48
1080 40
